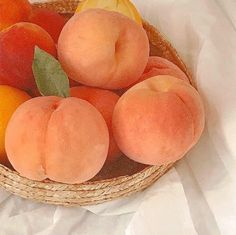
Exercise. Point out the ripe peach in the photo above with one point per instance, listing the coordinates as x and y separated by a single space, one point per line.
12 12
160 66
103 49
49 20
104 101
65 140
158 120
17 45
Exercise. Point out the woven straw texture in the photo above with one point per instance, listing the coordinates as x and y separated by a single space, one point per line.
106 186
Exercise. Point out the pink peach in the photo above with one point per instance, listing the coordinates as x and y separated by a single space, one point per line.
158 120
103 49
65 140
161 66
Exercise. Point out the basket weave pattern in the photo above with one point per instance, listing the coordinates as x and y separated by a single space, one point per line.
98 191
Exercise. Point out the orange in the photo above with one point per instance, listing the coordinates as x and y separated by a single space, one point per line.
10 99
124 7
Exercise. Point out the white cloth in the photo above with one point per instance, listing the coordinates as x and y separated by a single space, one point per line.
198 196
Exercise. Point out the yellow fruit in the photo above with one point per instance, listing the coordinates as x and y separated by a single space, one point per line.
10 99
124 7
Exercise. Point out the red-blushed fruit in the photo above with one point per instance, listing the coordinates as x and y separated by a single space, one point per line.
158 120
104 101
65 140
13 11
17 45
49 20
103 49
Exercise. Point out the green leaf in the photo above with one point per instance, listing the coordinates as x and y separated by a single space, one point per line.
50 78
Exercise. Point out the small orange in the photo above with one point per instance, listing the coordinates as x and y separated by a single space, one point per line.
125 7
10 99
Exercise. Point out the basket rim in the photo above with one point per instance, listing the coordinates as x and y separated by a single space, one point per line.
5 170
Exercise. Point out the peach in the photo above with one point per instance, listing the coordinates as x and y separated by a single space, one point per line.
17 45
49 20
160 66
12 12
104 101
103 49
158 120
65 140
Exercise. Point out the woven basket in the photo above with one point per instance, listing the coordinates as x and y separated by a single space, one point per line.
122 179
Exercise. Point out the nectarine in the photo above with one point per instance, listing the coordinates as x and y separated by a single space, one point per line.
17 45
49 20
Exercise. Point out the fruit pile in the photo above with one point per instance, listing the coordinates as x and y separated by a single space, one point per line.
75 70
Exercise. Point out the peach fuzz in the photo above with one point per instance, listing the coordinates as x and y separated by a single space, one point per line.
160 66
17 45
13 11
103 49
49 20
158 120
104 101
66 141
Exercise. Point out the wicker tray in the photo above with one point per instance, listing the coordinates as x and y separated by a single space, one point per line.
123 178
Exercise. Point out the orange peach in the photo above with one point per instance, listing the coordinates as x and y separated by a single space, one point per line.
161 66
104 101
158 120
65 140
49 20
103 49
17 45
12 12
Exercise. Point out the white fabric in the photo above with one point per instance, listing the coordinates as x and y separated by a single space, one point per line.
198 196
